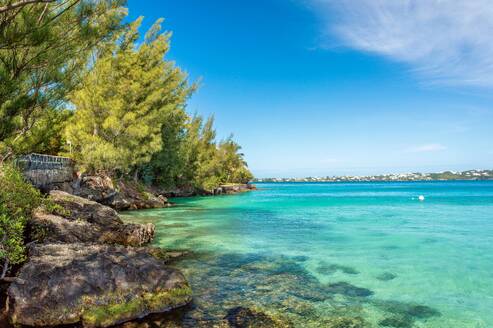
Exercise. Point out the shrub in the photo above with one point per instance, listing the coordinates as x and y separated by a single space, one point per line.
17 201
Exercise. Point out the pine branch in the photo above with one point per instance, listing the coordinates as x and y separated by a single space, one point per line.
21 4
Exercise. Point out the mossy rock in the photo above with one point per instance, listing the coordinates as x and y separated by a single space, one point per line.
96 285
120 310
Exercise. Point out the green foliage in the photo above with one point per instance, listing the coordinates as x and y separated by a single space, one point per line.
198 159
39 231
167 167
130 117
214 164
233 165
47 133
127 103
17 201
56 209
11 235
43 46
208 174
124 101
18 198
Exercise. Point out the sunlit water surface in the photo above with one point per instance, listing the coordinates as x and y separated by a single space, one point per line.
330 254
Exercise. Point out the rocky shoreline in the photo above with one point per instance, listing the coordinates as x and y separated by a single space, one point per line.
95 285
128 195
88 267
85 266
49 173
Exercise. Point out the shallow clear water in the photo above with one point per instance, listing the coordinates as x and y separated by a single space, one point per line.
316 253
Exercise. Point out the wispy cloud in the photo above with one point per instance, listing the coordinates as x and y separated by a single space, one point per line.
433 147
444 41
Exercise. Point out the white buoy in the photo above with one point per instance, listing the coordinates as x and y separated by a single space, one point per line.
421 198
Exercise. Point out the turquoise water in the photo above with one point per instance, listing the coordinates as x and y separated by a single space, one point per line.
331 254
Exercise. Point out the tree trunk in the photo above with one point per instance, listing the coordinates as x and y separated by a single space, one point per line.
4 157
4 269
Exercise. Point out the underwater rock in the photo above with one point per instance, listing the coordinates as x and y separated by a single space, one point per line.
347 289
241 317
298 306
289 291
422 311
311 291
223 282
328 269
386 276
404 314
167 255
408 309
96 285
391 247
344 322
397 322
300 258
283 277
174 319
175 225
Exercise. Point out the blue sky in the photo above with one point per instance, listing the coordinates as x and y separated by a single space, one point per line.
328 87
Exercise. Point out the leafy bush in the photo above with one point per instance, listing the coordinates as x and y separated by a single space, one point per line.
17 201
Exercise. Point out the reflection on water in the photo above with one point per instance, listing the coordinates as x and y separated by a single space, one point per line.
295 256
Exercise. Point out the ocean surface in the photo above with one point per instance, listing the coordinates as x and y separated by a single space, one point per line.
338 254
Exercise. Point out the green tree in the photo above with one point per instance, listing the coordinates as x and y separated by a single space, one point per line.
189 151
168 166
205 164
46 136
124 101
208 165
43 46
234 168
193 158
17 201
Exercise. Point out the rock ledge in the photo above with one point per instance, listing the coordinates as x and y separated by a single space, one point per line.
96 285
80 220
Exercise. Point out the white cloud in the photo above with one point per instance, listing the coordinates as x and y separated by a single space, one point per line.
445 41
427 148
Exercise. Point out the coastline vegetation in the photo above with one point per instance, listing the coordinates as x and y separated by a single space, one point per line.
77 80
17 200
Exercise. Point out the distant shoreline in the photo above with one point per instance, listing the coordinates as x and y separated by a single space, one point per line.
470 175
370 181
